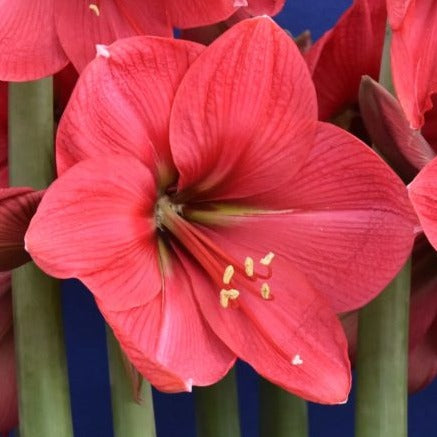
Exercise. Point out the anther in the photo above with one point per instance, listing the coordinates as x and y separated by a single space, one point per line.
248 266
267 259
227 295
265 291
95 9
227 275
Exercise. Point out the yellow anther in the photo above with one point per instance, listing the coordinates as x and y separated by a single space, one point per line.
248 266
227 275
267 259
227 295
95 9
265 291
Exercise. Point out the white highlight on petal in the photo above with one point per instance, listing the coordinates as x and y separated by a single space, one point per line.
240 3
102 50
297 360
189 385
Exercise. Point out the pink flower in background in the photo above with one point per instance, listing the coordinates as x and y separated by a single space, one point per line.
196 207
344 53
39 38
413 57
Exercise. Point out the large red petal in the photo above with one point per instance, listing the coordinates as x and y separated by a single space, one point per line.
294 340
3 134
414 60
349 50
5 283
5 313
348 224
8 388
122 104
429 129
29 46
264 7
194 13
17 207
80 28
423 195
170 333
96 223
243 117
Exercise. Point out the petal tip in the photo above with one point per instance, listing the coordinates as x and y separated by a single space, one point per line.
102 50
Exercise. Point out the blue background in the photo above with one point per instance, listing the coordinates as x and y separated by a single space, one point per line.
85 334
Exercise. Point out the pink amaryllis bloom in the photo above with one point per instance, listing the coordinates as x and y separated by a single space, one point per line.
39 38
342 55
213 217
413 56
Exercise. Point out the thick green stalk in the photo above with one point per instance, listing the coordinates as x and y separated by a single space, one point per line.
42 371
130 418
217 409
382 363
382 360
281 414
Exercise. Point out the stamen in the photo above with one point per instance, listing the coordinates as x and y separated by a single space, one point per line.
265 291
248 266
297 360
267 259
226 295
227 275
95 9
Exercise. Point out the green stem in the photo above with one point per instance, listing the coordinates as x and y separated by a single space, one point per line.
382 360
44 401
217 409
281 414
381 407
130 418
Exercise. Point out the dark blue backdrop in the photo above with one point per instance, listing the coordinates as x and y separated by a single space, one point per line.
85 334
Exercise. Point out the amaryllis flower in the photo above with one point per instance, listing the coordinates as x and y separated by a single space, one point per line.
39 38
342 55
413 56
213 217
